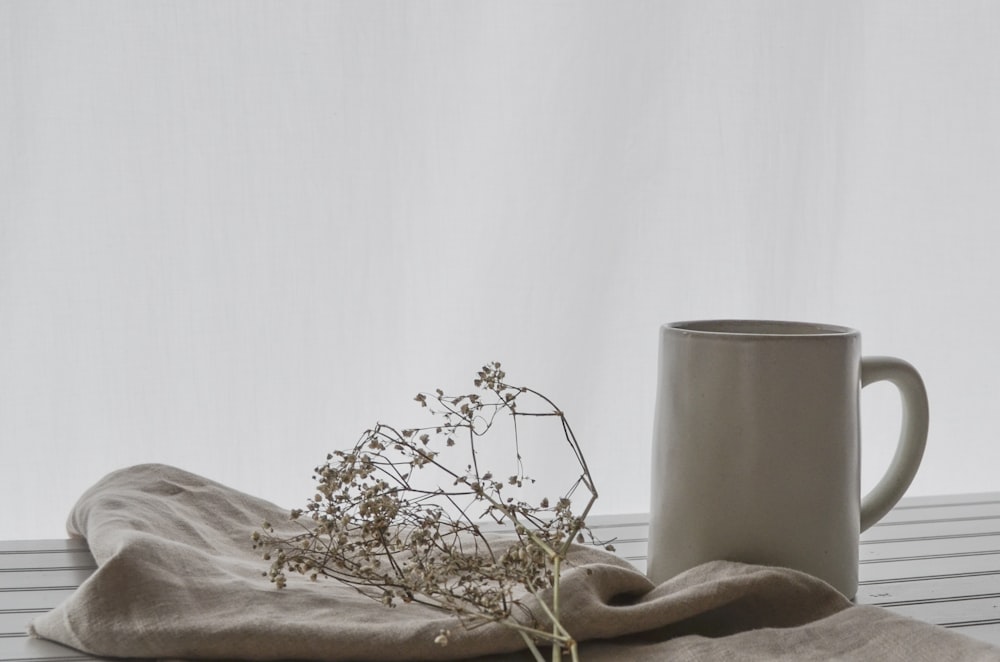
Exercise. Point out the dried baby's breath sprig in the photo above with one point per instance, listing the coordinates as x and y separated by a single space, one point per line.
373 525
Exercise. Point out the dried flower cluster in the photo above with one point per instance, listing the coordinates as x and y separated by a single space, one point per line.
374 526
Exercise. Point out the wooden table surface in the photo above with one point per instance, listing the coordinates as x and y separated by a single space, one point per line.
936 559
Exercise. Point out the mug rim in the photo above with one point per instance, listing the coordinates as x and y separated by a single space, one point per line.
759 328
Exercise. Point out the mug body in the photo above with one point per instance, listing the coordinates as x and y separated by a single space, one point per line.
756 448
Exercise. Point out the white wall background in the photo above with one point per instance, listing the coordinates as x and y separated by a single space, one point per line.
235 234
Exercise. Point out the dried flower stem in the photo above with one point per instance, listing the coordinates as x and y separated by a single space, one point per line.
372 526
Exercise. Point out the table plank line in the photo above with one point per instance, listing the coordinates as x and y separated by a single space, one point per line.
50 569
966 624
943 520
43 546
951 536
931 601
924 557
922 578
955 504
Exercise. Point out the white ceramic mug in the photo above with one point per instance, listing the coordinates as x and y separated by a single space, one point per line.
756 447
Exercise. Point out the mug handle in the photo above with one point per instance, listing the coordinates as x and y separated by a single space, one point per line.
912 437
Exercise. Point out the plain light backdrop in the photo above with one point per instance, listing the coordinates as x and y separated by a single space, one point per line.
235 234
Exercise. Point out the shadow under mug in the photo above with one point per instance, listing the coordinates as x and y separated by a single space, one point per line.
756 447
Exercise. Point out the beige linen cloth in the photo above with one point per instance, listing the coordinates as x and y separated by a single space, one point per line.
177 578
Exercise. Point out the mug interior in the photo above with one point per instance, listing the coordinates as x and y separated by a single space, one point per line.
761 328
